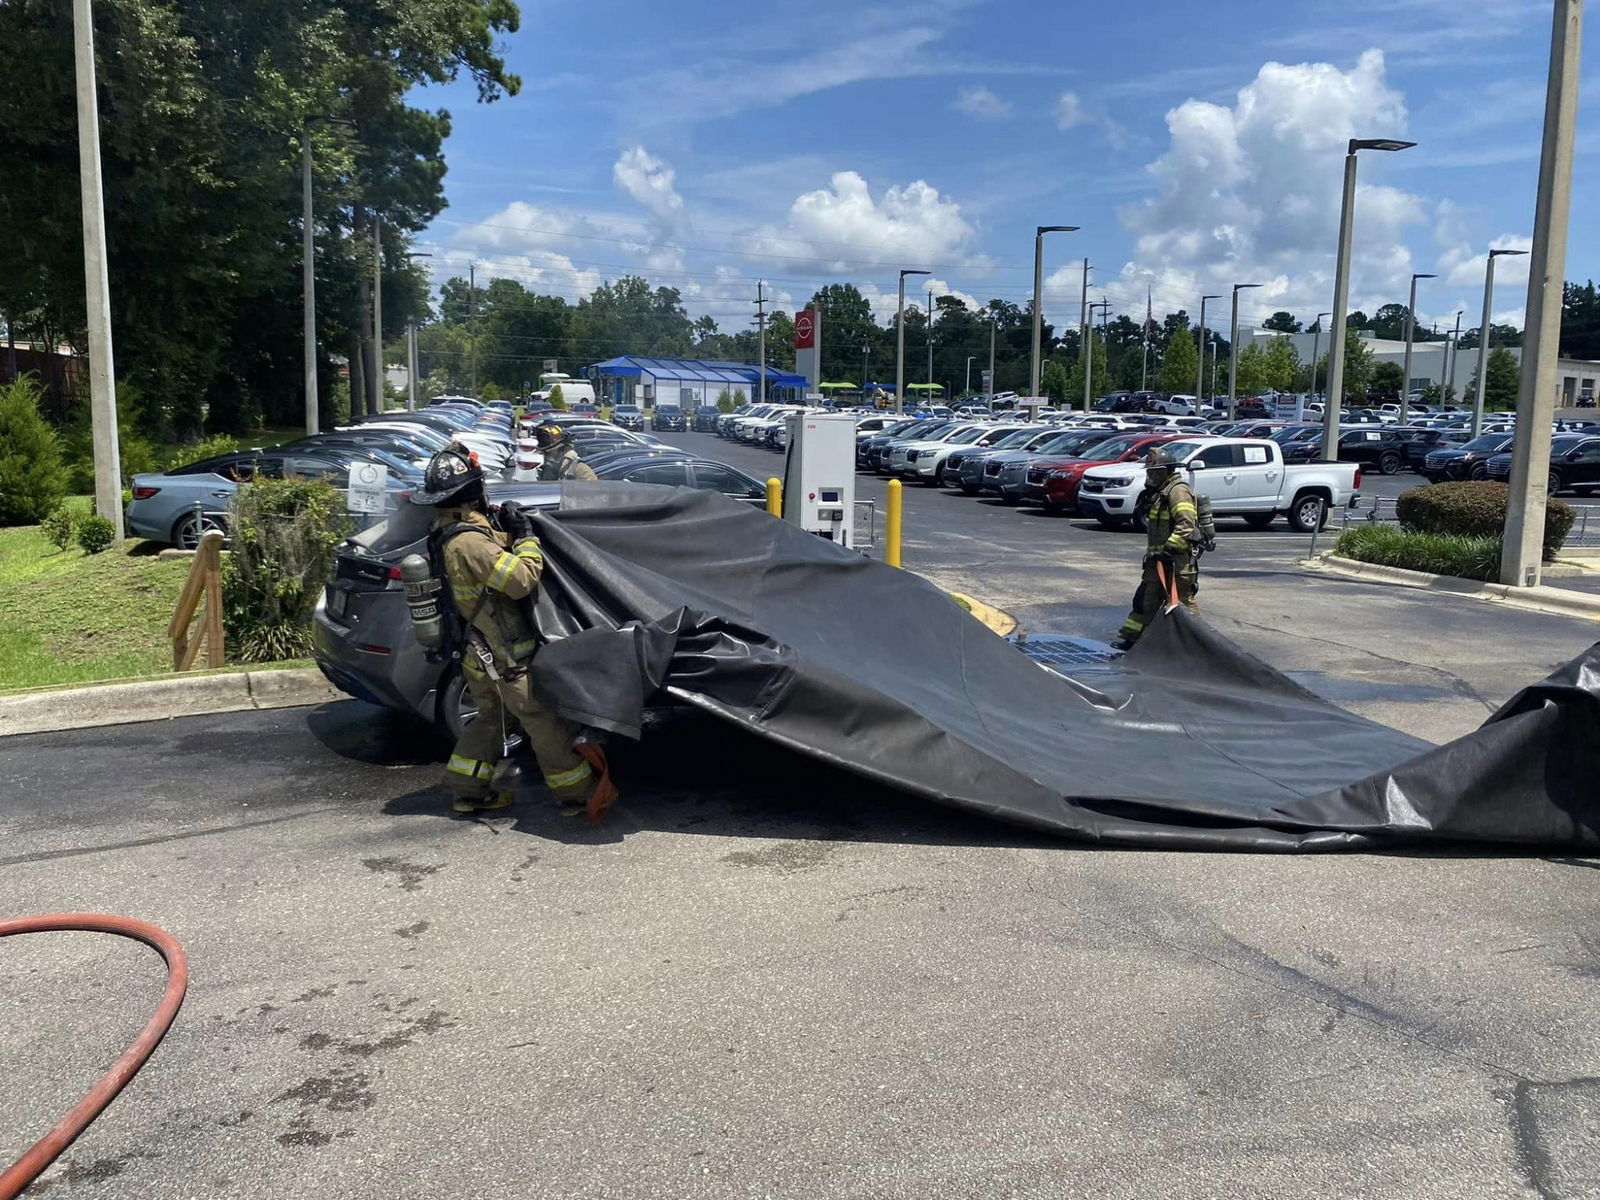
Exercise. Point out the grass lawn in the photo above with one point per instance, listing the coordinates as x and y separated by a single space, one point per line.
70 617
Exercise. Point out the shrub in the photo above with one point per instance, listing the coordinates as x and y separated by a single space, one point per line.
60 525
557 398
1467 556
1477 509
96 533
725 401
284 532
32 480
210 447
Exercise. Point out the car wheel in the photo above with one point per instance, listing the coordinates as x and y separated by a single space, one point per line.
1389 464
1053 508
970 489
1479 471
454 707
1555 484
187 530
1007 498
1309 513
1259 520
1111 522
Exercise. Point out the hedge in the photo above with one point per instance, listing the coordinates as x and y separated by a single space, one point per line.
1476 509
1466 556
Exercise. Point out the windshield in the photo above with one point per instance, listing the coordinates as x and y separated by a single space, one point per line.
1565 445
1489 441
967 436
1115 447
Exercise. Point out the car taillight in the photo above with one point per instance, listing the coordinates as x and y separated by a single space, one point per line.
394 572
144 493
1357 483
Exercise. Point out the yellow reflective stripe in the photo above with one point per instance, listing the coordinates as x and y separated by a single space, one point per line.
465 597
1132 625
528 548
524 648
567 778
1183 506
501 573
1178 540
472 768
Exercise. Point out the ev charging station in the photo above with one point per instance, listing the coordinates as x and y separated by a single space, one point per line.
819 475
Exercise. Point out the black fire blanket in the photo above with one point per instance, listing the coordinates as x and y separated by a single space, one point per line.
1192 743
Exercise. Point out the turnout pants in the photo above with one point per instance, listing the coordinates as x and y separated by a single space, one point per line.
470 772
1152 595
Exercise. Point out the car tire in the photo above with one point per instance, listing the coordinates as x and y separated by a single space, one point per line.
454 706
1106 522
187 529
1259 520
1555 483
1308 514
1389 464
1053 508
969 489
1479 471
1007 498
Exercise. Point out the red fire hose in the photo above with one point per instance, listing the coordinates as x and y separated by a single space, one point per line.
43 1152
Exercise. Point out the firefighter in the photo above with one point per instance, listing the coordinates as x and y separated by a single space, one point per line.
561 461
490 572
1172 528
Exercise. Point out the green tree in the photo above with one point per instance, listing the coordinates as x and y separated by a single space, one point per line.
847 325
1357 367
1053 382
1280 364
1250 375
1388 378
1179 362
1580 320
1284 322
1503 380
32 479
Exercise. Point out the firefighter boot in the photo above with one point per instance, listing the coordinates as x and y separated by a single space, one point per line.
487 802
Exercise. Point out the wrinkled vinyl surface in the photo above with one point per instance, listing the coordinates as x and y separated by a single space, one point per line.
1193 743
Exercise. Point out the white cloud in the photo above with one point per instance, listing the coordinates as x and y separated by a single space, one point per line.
649 181
1464 265
843 226
978 101
1070 111
1249 193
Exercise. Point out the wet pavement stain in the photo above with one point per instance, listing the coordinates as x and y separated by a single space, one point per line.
412 932
336 1093
784 858
411 874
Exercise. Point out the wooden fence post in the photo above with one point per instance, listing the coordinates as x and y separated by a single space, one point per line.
204 582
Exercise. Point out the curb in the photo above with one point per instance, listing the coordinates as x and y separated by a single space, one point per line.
162 698
1539 598
1002 623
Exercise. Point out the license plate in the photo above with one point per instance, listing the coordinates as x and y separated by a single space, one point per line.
338 601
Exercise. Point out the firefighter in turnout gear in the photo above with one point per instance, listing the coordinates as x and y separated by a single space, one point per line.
489 573
1172 526
561 461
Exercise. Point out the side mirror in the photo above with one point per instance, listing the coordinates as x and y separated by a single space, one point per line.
1195 465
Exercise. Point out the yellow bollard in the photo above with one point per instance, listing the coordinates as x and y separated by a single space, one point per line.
891 550
775 496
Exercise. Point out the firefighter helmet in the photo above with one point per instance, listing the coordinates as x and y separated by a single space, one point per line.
453 477
548 434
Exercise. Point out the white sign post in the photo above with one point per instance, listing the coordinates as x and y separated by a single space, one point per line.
368 485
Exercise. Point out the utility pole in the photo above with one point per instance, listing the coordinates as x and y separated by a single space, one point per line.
1316 340
97 283
1452 356
1038 294
1522 551
472 321
992 316
308 284
411 349
900 340
1233 355
1144 364
1411 329
1088 354
1483 338
761 337
866 347
377 314
930 343
1200 369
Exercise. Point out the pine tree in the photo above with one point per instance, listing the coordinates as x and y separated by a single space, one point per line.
1179 363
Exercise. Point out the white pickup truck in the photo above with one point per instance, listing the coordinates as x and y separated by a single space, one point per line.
1243 477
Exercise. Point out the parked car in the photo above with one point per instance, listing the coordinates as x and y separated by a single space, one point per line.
1004 473
675 470
964 466
705 418
870 453
627 416
1242 477
668 418
1053 480
1380 449
1466 461
179 505
1574 463
903 456
931 464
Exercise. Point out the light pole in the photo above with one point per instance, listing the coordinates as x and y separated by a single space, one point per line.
1038 297
1233 353
411 348
1536 390
866 348
96 278
308 271
1088 353
1341 288
993 320
1214 370
1452 357
1483 339
1200 370
1411 329
900 341
930 343
1316 340
376 390
968 386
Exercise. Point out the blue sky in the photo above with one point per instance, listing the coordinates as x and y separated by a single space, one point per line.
708 144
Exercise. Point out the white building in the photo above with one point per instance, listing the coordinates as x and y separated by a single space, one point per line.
1579 377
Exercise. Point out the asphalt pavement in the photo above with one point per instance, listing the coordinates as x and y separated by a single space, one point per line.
765 978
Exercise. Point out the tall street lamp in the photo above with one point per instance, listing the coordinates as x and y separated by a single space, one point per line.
1341 287
1452 358
1200 370
411 348
968 386
993 321
866 348
1316 338
1233 351
1483 339
900 341
1088 354
1411 329
308 271
1038 290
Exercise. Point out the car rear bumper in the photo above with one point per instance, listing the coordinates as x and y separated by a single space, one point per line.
358 660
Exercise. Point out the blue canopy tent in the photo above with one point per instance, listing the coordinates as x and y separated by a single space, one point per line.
647 381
